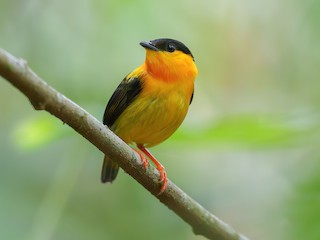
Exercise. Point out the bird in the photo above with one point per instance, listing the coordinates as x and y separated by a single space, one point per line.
151 102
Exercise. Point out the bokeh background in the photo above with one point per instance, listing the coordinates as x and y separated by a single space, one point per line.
248 150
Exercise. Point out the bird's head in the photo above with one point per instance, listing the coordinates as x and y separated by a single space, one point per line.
169 59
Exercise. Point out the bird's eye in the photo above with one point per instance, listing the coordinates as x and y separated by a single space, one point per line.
171 48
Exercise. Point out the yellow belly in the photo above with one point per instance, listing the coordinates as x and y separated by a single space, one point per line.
156 113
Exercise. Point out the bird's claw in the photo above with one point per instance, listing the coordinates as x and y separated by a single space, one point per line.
163 175
143 158
163 179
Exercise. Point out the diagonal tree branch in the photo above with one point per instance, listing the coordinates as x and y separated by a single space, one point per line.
44 97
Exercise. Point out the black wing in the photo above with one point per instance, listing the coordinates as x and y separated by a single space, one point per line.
191 97
125 93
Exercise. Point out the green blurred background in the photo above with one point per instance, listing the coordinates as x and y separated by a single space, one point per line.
248 150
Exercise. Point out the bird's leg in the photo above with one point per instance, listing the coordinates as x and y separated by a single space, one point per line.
160 168
143 158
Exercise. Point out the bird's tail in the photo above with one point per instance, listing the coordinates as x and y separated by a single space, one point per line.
109 170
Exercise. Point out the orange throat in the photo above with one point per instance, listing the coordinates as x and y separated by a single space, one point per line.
162 65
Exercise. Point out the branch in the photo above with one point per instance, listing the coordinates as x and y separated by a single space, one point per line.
44 97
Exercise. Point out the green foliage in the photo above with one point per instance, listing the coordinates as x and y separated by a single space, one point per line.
303 205
37 132
243 130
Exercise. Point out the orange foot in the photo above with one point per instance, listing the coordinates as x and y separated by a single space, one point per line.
160 168
143 158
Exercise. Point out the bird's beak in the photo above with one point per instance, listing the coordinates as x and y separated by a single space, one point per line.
149 45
